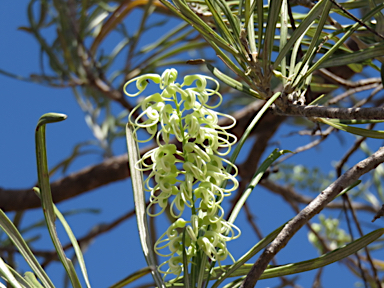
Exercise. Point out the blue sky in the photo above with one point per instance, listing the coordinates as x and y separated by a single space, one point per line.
116 254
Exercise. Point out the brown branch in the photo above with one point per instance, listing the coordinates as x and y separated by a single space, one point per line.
114 168
331 112
308 212
111 170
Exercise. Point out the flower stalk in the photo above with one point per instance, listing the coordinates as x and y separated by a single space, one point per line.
186 170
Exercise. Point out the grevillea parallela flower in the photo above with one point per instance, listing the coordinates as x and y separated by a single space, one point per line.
187 170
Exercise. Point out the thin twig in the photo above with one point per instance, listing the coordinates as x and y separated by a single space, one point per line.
357 19
316 281
349 153
347 83
306 147
378 214
352 91
369 258
362 272
96 231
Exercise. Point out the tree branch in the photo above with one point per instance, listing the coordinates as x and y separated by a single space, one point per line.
113 169
308 212
331 112
116 168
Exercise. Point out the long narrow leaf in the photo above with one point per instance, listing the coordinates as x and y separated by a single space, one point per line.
343 39
220 24
16 238
377 134
73 240
359 56
284 37
250 127
256 178
260 22
232 82
30 278
4 271
141 215
321 261
299 267
22 281
46 196
133 277
115 19
314 42
305 24
188 15
269 37
234 22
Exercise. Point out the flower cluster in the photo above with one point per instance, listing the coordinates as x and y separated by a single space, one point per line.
186 169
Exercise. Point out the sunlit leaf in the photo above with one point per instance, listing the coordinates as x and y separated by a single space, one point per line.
16 238
45 189
141 215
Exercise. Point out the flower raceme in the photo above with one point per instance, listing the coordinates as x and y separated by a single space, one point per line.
187 168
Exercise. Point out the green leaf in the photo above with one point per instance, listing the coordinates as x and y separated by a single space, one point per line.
22 281
270 32
256 178
234 22
72 238
325 259
298 33
355 57
322 87
232 82
16 238
220 25
299 267
377 134
133 277
31 279
260 22
46 196
189 16
347 34
284 37
248 131
354 121
307 59
141 215
4 271
249 24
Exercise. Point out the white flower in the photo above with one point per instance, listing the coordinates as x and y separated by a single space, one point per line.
193 176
